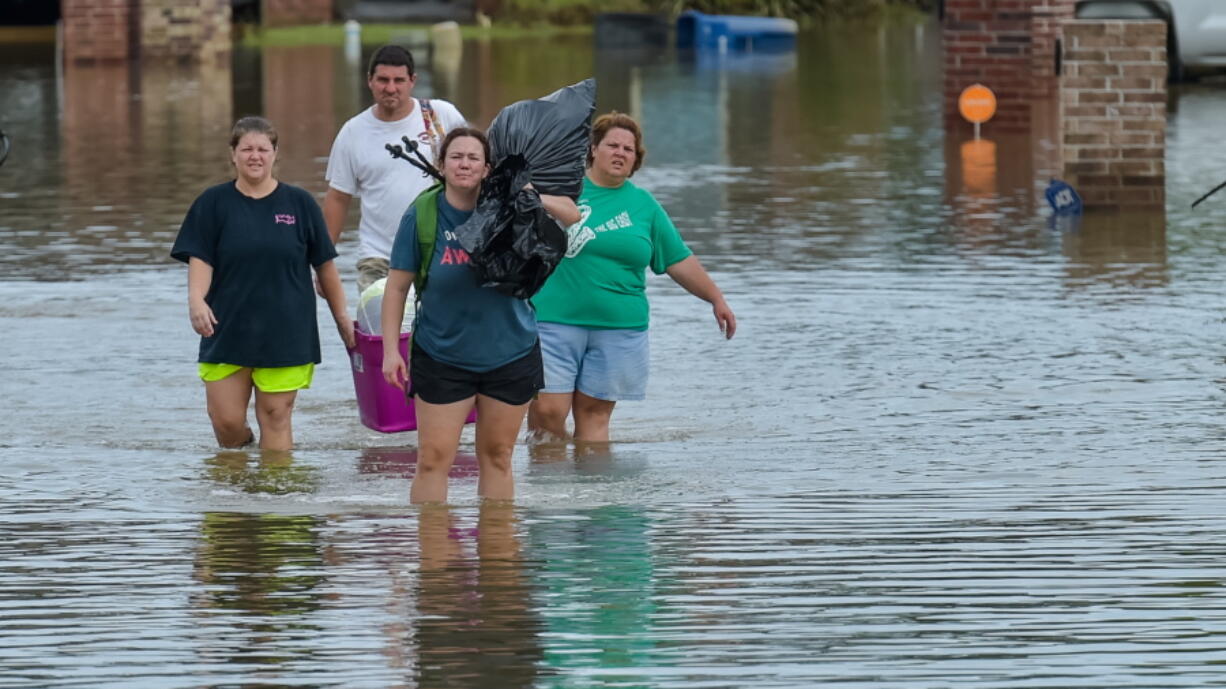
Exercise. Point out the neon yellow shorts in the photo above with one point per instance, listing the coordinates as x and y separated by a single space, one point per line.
282 379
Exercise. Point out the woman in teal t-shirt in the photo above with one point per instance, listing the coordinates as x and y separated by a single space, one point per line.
592 313
472 345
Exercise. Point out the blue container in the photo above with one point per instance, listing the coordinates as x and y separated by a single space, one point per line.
724 32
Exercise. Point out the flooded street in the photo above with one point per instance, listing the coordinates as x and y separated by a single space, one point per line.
952 444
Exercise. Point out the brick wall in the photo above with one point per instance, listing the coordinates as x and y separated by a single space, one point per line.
291 12
1047 20
185 29
120 30
1006 45
1113 97
99 30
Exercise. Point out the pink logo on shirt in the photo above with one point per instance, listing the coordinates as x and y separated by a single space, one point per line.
453 257
286 218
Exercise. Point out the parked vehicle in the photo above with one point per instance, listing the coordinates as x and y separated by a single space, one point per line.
1196 34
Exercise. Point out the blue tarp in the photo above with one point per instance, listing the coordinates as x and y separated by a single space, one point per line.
699 31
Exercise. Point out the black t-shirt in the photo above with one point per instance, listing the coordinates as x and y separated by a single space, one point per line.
262 251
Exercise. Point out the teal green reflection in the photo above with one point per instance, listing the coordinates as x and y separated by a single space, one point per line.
597 594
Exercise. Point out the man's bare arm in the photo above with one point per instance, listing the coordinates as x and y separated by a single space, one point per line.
336 209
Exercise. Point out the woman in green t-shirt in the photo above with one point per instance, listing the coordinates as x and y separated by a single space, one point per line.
592 313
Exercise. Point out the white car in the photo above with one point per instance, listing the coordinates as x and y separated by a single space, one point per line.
1196 40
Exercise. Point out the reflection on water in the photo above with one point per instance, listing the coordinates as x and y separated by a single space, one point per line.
264 572
597 579
401 462
273 472
298 85
1120 250
953 444
473 602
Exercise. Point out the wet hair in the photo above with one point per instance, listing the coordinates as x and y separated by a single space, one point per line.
391 55
618 120
252 124
457 133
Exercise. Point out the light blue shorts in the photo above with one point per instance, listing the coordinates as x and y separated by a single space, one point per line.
609 365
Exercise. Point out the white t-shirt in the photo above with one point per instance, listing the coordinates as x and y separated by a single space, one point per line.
359 165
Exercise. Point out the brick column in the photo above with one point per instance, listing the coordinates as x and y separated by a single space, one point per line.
291 12
120 30
1006 45
1047 21
99 30
1114 112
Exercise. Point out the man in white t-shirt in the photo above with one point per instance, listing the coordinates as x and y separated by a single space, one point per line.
359 165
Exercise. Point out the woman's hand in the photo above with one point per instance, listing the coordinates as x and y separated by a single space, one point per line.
725 318
395 294
395 372
690 274
201 315
344 326
328 283
199 279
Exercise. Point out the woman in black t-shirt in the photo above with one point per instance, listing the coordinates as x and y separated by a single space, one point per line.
249 246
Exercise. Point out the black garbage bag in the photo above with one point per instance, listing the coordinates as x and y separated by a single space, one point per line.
511 242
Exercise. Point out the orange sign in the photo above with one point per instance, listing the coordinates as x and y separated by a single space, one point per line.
977 103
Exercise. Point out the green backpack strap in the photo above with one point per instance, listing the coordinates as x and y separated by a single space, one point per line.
427 234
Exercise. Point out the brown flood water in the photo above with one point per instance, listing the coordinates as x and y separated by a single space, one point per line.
951 445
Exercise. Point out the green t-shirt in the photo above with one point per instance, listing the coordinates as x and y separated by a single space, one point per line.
602 281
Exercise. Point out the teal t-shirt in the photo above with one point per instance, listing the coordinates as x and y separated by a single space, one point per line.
601 283
460 322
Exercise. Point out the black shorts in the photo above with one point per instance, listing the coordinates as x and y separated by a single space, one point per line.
438 383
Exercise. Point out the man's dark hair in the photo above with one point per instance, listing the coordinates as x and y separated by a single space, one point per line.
393 55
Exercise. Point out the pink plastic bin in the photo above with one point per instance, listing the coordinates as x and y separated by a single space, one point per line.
381 407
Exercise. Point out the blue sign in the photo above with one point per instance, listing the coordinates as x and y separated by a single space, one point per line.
1063 198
